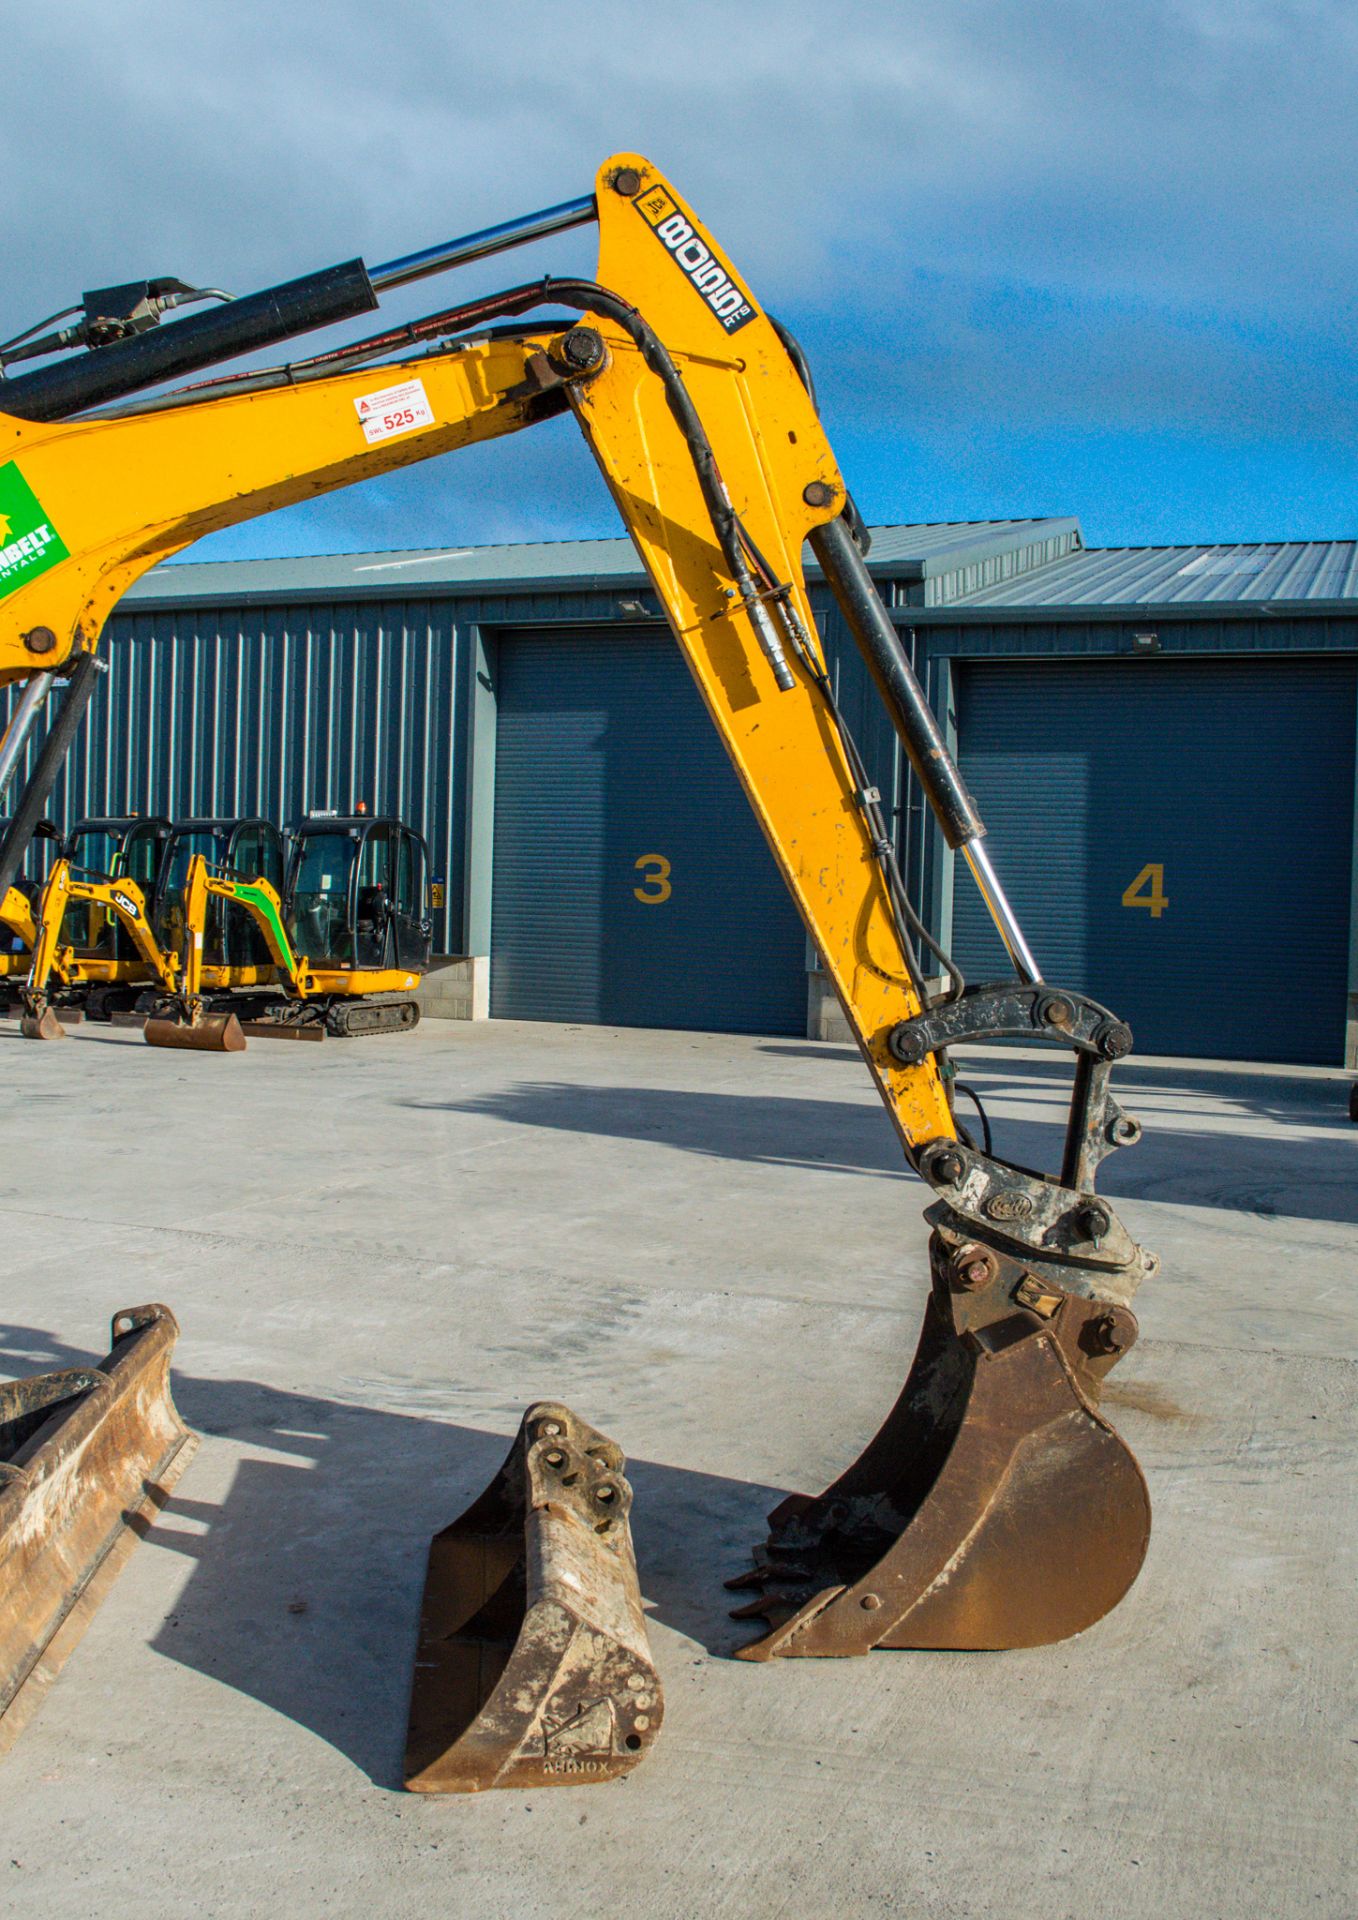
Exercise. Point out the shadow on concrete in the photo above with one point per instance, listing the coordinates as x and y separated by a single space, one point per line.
773 1130
85 1032
813 1050
305 1580
1274 1095
1280 1169
1301 1163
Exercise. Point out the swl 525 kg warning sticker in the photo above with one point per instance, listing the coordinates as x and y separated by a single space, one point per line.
394 410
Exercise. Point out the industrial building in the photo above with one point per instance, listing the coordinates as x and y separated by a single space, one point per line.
1161 740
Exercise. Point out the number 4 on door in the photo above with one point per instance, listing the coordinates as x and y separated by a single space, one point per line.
1148 890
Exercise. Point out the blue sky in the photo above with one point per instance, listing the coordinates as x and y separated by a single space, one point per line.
1046 258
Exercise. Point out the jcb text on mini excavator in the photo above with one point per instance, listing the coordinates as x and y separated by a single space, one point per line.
996 1507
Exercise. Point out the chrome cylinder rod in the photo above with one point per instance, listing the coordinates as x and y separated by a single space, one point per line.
30 704
477 246
1001 913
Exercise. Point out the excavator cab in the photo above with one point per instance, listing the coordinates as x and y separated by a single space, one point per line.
111 847
357 894
250 848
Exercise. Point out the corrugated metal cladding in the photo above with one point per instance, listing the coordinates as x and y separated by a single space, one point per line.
278 710
632 885
1176 836
282 685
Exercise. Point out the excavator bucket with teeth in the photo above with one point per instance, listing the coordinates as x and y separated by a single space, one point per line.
88 1457
995 1508
533 1667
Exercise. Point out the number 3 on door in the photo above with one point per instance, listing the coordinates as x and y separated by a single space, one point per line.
1148 890
657 888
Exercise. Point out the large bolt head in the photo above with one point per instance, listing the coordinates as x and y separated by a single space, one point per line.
948 1167
972 1268
906 1044
1093 1220
1113 1039
582 349
40 640
627 182
1112 1332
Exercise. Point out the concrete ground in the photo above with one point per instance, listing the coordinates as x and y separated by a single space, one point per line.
380 1251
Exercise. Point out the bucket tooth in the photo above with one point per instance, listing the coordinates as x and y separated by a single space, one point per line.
88 1457
213 1033
533 1667
995 1508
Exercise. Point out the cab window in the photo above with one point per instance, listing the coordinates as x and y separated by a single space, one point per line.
95 852
170 929
322 866
141 856
271 860
407 897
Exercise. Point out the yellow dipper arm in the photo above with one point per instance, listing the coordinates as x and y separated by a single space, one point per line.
256 898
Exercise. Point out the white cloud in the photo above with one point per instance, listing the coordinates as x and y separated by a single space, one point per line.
1186 161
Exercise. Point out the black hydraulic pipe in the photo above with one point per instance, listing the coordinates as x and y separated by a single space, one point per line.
33 800
167 353
878 641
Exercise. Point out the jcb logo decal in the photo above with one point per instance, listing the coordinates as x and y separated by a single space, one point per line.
732 307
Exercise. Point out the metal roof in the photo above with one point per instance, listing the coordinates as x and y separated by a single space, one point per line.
1262 575
925 551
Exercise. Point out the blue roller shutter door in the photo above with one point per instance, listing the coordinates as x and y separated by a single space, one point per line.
632 886
1176 836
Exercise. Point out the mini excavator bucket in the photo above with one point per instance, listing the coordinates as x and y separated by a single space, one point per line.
43 1025
211 1033
88 1457
533 1667
995 1508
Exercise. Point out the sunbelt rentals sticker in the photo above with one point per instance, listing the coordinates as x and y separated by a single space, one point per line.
29 543
704 271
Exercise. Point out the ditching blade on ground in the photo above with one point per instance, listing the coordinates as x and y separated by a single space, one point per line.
533 1667
995 1508
88 1457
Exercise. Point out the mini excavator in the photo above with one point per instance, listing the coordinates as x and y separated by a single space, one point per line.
70 926
996 1507
110 922
355 892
